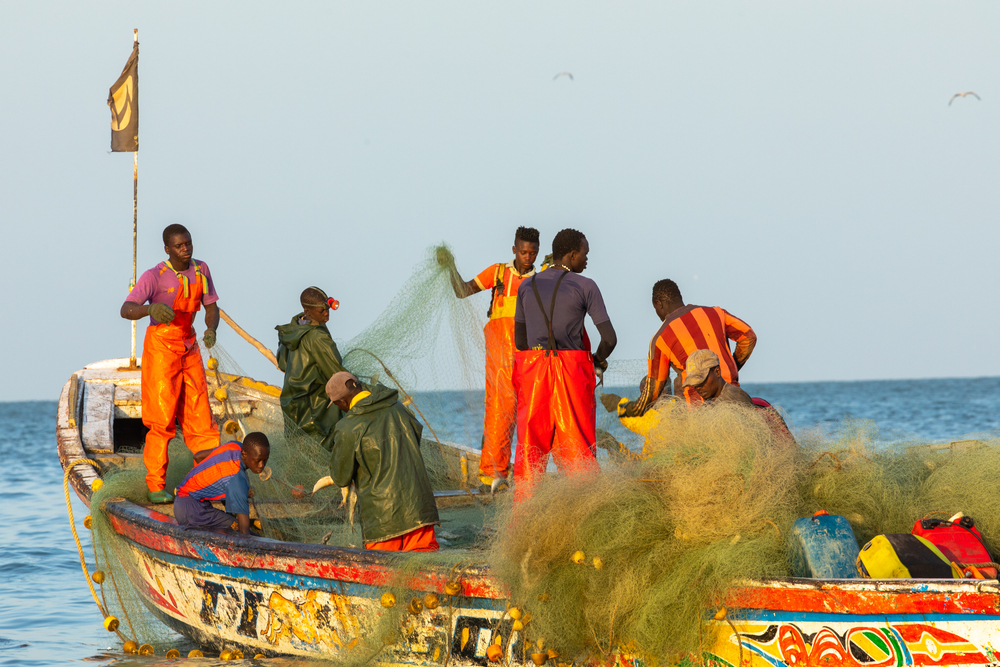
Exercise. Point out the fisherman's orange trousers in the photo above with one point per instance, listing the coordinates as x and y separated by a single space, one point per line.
174 389
555 413
421 539
501 401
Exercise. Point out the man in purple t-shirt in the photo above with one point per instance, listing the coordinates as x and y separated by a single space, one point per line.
173 374
554 372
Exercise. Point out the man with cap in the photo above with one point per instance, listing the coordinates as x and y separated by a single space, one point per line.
376 446
309 358
704 375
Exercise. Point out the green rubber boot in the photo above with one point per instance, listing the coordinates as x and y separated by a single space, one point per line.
159 497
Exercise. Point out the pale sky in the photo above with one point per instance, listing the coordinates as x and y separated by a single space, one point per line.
795 163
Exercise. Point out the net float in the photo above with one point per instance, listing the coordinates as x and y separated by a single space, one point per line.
431 601
212 363
195 653
98 483
110 623
453 588
578 557
539 658
494 653
98 577
88 522
231 427
518 626
415 606
173 653
388 600
515 613
221 394
146 649
130 647
598 563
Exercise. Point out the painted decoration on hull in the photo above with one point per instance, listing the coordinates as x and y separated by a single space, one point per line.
807 644
229 611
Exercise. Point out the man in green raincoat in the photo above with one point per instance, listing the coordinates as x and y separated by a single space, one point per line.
309 358
377 448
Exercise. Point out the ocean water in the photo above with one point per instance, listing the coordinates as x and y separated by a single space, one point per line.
47 616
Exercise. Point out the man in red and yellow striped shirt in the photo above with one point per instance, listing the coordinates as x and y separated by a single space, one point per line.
501 401
687 328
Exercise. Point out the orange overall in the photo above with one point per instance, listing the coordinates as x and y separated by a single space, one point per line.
174 387
555 411
501 400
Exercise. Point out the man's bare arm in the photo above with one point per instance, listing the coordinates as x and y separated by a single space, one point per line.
212 316
133 311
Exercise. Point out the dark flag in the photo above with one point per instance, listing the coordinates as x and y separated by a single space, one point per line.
124 102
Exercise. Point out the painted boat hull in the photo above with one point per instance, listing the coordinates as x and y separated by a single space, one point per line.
264 596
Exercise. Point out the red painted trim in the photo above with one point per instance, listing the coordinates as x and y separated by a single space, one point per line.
835 600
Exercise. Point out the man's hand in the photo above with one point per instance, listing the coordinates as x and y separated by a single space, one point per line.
161 312
610 401
599 368
444 256
209 338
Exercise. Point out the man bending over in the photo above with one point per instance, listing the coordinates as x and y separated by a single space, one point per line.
376 446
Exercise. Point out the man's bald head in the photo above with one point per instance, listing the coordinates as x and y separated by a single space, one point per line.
313 297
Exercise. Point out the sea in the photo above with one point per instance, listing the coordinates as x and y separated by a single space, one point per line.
47 616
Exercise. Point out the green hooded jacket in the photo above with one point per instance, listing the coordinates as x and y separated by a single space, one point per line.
377 446
309 357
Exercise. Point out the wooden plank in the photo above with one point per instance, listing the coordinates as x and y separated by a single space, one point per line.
97 417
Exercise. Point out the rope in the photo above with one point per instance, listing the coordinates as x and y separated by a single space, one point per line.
76 538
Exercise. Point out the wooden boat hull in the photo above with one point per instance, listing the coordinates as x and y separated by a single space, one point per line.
272 597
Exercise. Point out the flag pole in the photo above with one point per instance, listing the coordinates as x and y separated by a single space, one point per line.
135 222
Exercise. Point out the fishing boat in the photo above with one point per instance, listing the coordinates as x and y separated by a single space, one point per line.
230 592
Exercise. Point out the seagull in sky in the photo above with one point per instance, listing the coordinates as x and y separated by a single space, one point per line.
569 74
963 95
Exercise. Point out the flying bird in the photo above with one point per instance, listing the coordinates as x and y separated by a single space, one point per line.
963 95
569 74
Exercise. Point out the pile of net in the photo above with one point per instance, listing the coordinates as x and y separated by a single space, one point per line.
633 559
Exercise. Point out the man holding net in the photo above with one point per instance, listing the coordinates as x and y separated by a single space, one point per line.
687 328
503 281
309 358
377 448
173 374
554 372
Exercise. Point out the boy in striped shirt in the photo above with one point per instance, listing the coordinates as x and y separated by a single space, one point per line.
222 475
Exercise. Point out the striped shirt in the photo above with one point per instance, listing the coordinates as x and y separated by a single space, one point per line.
208 480
685 330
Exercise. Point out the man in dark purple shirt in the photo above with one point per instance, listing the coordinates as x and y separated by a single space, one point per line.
554 372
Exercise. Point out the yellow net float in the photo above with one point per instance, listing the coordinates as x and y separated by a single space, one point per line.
88 522
415 606
173 653
146 649
230 427
96 485
212 363
221 394
130 647
110 623
578 557
195 653
431 601
98 577
388 600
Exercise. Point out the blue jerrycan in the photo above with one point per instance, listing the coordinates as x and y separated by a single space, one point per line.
823 546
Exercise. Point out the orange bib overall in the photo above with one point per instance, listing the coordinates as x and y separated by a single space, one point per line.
173 386
501 401
555 411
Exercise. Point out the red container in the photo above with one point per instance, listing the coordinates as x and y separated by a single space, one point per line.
959 544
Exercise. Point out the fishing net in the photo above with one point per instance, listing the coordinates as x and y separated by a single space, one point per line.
630 560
